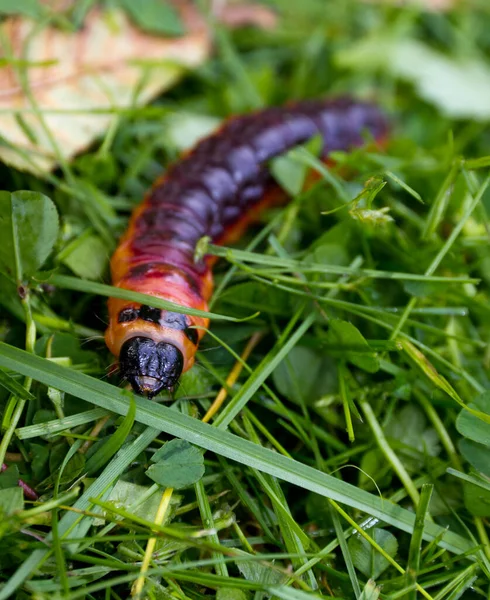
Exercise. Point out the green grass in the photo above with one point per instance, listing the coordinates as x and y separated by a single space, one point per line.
351 458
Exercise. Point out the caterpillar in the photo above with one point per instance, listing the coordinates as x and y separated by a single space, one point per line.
216 190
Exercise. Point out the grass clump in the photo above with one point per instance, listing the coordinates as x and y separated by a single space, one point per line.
347 455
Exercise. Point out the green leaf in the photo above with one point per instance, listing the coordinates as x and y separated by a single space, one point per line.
409 426
328 254
127 493
446 498
374 470
43 415
472 427
476 454
458 87
185 129
253 570
195 382
345 340
476 500
370 591
57 454
28 8
229 593
177 465
483 402
88 257
366 558
39 464
115 441
9 478
421 289
11 500
14 387
154 16
28 230
74 467
289 172
9 298
64 345
256 296
289 378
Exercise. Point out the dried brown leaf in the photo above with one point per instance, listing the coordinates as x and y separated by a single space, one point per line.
108 65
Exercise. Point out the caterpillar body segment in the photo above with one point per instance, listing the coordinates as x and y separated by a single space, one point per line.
216 190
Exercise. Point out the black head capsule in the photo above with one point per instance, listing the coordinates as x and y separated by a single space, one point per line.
149 366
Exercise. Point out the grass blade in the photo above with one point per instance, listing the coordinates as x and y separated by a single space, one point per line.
221 442
92 287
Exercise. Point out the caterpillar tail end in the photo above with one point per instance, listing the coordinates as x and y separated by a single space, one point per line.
150 367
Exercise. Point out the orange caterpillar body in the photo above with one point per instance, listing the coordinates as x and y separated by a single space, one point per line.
216 190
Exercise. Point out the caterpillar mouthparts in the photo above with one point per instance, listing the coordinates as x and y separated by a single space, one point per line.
150 367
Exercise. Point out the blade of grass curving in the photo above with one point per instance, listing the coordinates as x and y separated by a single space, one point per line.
278 405
299 266
457 585
437 379
113 470
199 577
345 552
14 387
404 185
57 425
413 565
294 538
305 157
359 310
112 445
438 207
208 523
248 501
445 247
92 287
235 66
260 374
221 442
388 451
386 313
474 480
477 163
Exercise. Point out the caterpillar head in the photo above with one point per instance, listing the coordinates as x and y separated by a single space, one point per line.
150 366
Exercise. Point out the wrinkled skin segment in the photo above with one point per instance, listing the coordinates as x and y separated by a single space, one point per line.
216 190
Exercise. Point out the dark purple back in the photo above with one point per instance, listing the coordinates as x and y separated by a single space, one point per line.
226 174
